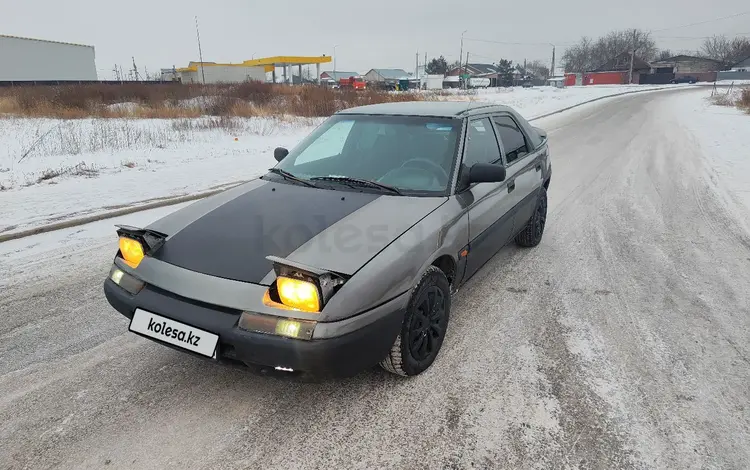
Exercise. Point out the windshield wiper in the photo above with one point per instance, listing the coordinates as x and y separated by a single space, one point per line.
358 182
286 175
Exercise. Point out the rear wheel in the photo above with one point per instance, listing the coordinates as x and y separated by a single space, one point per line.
424 326
532 233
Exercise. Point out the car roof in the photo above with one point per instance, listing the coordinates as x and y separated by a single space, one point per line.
451 109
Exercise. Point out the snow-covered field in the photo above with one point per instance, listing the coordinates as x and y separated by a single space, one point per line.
722 133
53 170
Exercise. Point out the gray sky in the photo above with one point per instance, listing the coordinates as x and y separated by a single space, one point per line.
161 33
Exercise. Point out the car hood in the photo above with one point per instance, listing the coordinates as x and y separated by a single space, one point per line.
229 235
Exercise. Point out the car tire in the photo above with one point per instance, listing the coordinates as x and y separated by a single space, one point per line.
531 235
424 326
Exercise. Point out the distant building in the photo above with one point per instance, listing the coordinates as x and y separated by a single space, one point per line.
170 75
220 73
617 70
488 71
475 70
386 75
26 59
336 76
742 66
686 64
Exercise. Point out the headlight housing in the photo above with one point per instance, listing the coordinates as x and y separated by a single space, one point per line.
301 288
136 243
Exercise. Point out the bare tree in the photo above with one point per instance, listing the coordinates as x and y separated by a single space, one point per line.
588 55
725 50
538 68
578 58
717 48
665 54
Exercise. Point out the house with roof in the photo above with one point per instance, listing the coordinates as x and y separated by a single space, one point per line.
390 76
686 64
474 70
336 76
742 66
616 71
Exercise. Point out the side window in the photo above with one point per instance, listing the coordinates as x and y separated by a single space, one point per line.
481 143
330 144
511 137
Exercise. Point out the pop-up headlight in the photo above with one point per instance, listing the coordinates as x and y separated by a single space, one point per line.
299 287
136 243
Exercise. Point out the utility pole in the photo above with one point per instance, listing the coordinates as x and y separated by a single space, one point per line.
461 55
200 51
632 58
552 70
334 61
416 71
466 83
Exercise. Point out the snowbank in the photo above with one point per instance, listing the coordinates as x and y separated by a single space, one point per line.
537 101
722 133
53 170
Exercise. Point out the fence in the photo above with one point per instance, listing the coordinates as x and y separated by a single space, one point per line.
733 76
655 78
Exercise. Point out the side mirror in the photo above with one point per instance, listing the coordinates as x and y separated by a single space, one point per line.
280 153
486 173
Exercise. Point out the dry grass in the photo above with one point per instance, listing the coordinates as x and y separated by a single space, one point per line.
744 100
82 169
722 99
173 101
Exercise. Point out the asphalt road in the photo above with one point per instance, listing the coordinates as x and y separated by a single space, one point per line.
622 341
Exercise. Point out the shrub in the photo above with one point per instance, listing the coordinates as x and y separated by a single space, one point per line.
744 100
175 100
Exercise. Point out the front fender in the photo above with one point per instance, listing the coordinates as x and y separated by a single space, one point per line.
397 269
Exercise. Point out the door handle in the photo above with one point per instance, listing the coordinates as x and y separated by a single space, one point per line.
511 186
539 167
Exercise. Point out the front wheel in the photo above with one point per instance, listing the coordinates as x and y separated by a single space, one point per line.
531 235
424 326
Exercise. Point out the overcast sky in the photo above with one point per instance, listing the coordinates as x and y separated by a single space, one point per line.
161 33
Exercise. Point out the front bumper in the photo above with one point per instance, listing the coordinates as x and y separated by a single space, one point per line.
359 348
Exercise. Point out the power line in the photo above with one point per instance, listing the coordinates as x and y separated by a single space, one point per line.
698 37
702 22
517 43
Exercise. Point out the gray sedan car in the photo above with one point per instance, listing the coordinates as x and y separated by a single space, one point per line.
345 255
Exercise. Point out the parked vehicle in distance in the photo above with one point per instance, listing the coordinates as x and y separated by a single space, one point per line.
685 79
479 82
347 253
356 83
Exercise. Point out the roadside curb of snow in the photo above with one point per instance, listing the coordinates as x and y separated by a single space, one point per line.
134 207
593 100
137 207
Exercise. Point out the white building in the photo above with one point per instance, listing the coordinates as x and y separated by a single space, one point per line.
221 73
25 59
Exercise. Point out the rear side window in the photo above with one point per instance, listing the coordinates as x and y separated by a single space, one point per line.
511 137
481 143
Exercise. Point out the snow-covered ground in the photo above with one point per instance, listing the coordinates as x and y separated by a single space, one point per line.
537 101
53 170
722 133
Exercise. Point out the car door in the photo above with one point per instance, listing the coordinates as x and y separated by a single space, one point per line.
490 204
523 168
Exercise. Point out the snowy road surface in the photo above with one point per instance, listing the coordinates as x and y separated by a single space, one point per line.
622 341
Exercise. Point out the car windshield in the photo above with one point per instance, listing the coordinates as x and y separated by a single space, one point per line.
414 154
